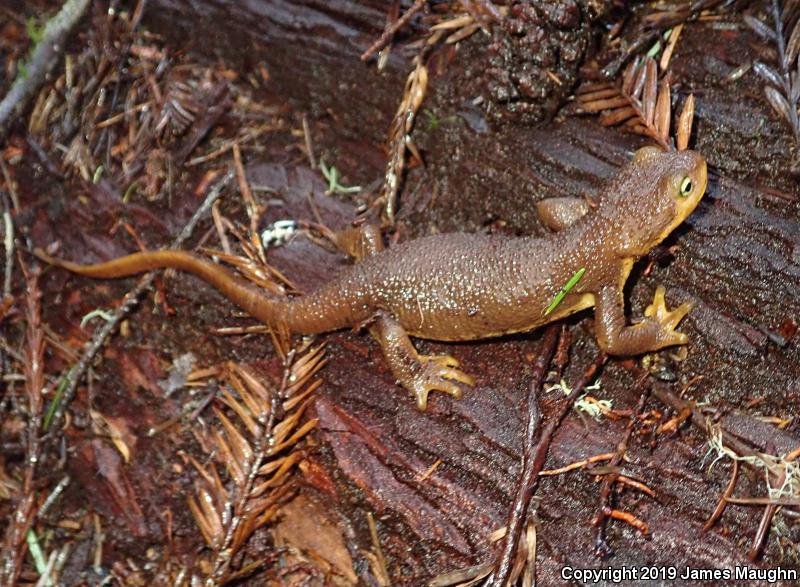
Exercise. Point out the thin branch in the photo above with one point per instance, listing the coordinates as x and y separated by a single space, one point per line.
723 501
256 446
605 510
74 375
390 31
663 393
529 477
44 57
8 243
20 522
763 531
534 462
400 134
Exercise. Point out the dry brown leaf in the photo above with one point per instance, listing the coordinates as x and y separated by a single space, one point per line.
778 103
284 428
243 411
292 402
761 29
305 526
793 45
275 464
618 116
666 56
205 516
600 93
232 465
607 104
251 380
639 80
115 429
285 466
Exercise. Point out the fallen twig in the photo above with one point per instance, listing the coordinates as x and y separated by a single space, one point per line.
8 243
389 32
763 531
534 459
75 374
606 511
14 544
529 477
41 62
773 468
723 501
664 394
256 444
400 134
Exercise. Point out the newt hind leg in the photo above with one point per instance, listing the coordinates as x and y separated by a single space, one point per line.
420 374
360 242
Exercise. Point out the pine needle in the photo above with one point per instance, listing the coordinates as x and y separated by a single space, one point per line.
641 104
256 443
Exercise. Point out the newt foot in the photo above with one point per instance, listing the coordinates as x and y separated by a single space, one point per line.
667 320
437 373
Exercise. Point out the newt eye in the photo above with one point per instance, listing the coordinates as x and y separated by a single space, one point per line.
686 186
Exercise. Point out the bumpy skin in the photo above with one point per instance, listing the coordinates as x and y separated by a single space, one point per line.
470 286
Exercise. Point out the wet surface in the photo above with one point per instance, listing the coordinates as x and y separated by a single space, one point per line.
737 258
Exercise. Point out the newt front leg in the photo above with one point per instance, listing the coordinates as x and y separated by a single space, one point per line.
655 332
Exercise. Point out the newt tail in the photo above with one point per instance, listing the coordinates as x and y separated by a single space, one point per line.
300 315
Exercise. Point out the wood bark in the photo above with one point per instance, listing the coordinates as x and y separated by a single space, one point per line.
737 258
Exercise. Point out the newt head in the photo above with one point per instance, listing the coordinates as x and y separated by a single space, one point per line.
650 197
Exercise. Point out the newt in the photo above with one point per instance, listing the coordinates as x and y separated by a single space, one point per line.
458 286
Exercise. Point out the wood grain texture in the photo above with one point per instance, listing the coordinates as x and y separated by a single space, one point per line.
737 259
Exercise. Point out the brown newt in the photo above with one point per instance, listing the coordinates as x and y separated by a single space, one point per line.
452 287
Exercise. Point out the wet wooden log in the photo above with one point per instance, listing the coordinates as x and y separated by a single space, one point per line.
379 444
440 482
310 50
